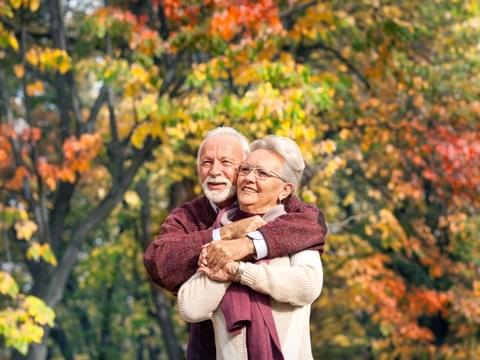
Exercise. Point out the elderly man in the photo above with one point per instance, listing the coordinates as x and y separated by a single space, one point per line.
172 257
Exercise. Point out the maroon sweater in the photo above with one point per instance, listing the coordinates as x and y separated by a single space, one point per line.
172 257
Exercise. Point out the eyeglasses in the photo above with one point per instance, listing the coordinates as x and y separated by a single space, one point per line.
260 173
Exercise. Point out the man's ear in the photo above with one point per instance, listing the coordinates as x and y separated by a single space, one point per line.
287 190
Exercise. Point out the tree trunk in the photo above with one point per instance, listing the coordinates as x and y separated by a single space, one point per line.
162 307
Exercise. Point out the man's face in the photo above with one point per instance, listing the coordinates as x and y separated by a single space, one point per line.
217 168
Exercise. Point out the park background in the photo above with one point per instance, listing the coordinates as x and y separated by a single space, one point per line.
103 105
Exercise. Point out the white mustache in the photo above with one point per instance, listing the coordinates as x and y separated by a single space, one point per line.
217 179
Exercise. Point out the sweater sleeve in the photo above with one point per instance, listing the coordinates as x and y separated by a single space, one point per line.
172 257
199 297
300 219
298 284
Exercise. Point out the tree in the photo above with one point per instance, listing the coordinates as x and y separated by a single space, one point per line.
100 103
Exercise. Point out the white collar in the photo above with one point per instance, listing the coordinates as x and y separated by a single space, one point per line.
214 206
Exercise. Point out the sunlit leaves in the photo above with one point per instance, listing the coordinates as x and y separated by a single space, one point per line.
8 39
119 23
32 5
78 155
25 229
49 59
381 97
35 89
132 199
23 325
38 251
40 312
8 286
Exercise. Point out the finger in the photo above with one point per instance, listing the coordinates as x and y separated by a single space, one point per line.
220 261
202 261
211 259
217 260
204 270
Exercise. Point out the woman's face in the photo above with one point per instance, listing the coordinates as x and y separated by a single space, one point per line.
261 189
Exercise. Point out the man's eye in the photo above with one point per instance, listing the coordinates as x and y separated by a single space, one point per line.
227 162
206 163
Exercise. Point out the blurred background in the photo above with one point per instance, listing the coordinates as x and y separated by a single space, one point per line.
103 105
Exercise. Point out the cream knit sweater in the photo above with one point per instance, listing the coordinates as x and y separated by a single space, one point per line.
293 283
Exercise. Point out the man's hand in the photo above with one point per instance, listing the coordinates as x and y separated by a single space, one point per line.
241 228
226 273
202 259
219 253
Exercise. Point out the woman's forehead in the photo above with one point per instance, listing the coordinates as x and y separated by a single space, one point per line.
265 158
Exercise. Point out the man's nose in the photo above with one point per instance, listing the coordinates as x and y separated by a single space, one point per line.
216 168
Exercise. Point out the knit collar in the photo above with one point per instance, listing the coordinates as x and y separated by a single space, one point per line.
234 213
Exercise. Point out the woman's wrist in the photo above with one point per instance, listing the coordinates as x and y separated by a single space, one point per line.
239 269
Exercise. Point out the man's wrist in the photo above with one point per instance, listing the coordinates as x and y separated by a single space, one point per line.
216 234
224 233
250 246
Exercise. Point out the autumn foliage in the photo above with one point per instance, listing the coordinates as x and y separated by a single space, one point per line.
101 114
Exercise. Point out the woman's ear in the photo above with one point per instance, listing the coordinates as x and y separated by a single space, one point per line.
287 190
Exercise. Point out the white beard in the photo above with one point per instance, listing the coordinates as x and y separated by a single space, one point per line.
218 196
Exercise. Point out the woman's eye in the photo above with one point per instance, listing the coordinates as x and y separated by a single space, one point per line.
262 173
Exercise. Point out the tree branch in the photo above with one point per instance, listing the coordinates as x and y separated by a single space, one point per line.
4 99
92 117
288 15
53 291
304 51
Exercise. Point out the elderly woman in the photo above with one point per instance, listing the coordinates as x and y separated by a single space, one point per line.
259 310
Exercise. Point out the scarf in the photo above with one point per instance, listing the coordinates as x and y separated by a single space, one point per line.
244 307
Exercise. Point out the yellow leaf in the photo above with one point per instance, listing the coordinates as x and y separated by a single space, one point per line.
32 57
37 309
16 4
48 255
35 89
64 65
34 251
34 5
328 147
33 332
139 135
349 199
12 40
344 134
25 229
23 215
132 199
19 71
8 286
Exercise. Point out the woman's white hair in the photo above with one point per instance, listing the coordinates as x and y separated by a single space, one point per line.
225 130
288 149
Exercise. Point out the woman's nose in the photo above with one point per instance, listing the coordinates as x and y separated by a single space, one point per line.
251 176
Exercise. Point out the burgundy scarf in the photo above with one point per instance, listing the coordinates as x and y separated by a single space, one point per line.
242 306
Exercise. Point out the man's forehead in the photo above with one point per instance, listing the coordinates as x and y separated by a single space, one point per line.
222 143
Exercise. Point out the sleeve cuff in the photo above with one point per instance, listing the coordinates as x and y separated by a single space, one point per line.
259 243
216 234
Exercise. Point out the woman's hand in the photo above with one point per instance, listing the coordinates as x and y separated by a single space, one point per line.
227 273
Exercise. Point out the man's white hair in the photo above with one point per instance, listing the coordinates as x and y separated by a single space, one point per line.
225 130
288 149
